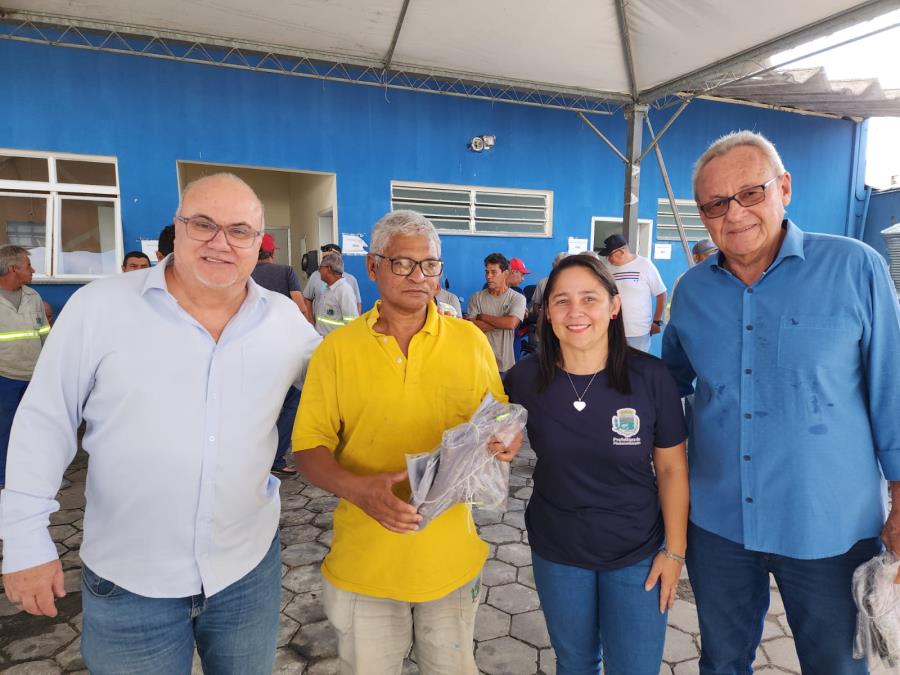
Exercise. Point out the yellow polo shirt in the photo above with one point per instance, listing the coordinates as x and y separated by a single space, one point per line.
371 405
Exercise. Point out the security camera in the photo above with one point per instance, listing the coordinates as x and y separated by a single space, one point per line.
476 144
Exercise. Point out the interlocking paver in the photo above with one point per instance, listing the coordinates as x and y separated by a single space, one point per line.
316 641
303 579
513 598
515 554
500 533
506 656
510 633
490 623
303 554
41 646
530 628
781 653
497 573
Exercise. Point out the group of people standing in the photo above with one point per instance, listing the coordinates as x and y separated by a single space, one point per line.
788 341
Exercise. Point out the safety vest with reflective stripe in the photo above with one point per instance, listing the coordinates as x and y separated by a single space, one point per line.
22 333
334 308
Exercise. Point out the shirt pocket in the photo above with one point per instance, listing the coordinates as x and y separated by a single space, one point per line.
458 404
808 342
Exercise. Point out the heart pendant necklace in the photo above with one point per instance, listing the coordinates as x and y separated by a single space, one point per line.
579 404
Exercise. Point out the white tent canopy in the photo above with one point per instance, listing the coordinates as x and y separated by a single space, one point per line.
583 55
615 50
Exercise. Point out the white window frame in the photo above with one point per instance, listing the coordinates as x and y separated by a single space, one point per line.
692 231
645 234
473 190
53 190
57 233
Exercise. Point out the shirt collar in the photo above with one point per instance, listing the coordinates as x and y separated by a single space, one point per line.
432 318
156 279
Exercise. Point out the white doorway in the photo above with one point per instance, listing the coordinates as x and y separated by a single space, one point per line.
293 201
602 227
327 231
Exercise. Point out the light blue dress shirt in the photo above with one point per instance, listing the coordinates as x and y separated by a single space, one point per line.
797 401
180 430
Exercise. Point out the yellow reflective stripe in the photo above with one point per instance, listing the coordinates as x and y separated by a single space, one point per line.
330 322
9 336
44 330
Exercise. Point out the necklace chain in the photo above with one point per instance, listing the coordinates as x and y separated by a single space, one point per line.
585 389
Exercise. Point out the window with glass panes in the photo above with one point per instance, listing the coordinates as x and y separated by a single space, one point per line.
64 209
465 209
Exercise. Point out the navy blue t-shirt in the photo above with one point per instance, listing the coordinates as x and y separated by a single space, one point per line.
595 502
279 278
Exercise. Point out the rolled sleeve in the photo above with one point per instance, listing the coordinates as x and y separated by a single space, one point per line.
881 358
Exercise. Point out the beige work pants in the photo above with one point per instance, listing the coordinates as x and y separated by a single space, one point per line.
375 634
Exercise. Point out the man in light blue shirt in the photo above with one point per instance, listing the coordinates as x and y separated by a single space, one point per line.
180 526
794 341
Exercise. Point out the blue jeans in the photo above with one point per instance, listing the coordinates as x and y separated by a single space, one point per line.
641 342
285 425
592 615
11 392
731 585
235 630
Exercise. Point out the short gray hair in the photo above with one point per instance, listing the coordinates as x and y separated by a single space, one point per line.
559 258
731 141
11 256
227 176
406 223
334 262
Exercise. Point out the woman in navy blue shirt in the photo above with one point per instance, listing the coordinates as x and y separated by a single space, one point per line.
607 520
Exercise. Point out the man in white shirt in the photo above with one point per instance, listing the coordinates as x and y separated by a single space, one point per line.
180 527
641 289
335 307
315 285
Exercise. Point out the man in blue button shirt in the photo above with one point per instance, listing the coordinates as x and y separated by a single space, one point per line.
793 340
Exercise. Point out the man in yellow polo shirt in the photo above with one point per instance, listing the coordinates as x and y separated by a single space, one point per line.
388 384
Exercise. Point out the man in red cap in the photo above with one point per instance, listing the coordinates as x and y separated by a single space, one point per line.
281 279
517 272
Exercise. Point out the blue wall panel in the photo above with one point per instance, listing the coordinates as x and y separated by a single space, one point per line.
151 113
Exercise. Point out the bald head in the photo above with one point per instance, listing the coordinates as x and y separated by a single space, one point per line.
229 181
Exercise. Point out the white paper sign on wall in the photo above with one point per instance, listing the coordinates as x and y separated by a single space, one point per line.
662 251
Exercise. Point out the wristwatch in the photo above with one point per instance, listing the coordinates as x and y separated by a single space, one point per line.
658 322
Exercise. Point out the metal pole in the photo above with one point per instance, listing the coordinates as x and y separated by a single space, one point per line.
602 137
665 128
665 176
634 115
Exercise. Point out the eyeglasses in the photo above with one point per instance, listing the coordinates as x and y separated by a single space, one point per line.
199 228
403 267
751 196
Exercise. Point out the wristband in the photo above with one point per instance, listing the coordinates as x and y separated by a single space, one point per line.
673 556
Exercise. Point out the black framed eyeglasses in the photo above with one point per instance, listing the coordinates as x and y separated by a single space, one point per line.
403 267
199 228
751 196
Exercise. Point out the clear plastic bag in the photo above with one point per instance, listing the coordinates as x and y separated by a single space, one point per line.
878 619
462 469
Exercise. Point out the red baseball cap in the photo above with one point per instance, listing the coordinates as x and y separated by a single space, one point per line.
268 244
518 265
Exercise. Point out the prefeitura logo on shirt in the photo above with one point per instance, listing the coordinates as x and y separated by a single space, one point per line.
626 424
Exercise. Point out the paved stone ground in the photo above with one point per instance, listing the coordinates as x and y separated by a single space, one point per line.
511 637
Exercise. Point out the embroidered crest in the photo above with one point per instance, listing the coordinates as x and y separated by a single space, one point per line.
626 422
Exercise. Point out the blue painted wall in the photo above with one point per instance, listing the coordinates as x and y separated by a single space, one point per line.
884 211
151 113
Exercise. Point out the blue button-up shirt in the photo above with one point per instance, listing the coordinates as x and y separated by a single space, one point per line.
797 396
180 430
